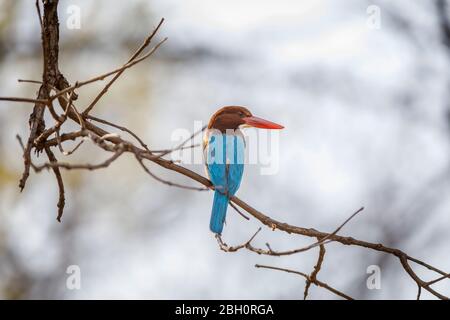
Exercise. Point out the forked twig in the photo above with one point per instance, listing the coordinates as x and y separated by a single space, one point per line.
39 140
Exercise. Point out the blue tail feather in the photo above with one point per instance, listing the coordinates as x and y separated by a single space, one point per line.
219 211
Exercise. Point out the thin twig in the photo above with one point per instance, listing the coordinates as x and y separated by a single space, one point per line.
447 276
65 137
239 211
166 151
120 128
61 199
167 182
111 142
271 252
68 153
224 247
29 100
38 9
19 138
182 144
118 74
313 275
60 120
107 74
315 281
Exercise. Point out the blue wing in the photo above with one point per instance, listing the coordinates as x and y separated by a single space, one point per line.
225 166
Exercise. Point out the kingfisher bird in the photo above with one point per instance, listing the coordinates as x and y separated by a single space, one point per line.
224 153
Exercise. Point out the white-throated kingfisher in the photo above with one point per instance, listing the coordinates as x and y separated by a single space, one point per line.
224 153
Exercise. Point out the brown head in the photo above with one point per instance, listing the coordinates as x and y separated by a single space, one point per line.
232 117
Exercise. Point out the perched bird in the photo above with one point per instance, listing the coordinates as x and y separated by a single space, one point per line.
224 153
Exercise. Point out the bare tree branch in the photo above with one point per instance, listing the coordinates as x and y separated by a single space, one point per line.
113 144
105 75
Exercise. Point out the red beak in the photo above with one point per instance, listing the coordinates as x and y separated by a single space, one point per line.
261 123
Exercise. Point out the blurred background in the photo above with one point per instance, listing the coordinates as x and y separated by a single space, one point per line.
366 108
